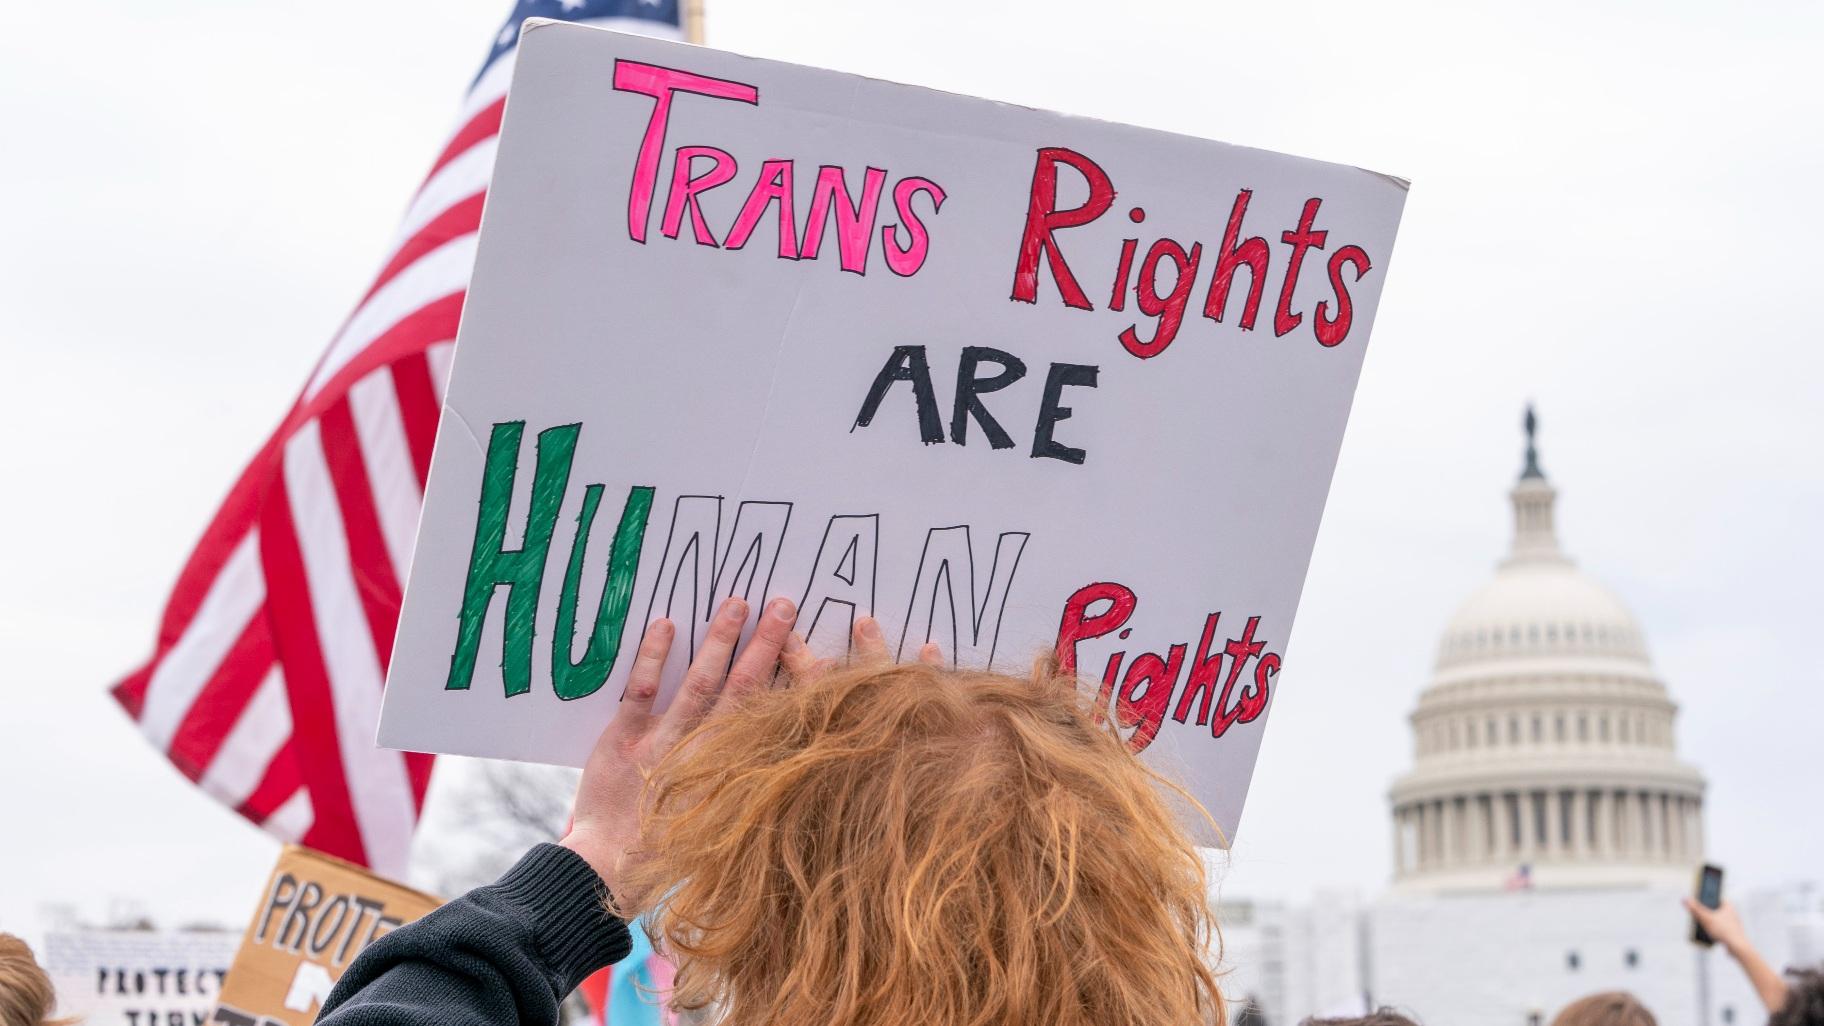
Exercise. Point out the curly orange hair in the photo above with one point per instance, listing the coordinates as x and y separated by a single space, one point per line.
912 846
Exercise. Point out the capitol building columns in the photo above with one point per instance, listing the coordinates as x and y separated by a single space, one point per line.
1544 739
1579 838
1550 824
1547 825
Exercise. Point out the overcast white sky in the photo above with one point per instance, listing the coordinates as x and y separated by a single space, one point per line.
1615 211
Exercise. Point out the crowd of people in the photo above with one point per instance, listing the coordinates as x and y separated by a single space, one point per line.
865 844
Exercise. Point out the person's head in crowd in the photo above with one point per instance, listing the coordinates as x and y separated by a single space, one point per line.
1611 1008
906 845
1804 1004
1378 1017
26 997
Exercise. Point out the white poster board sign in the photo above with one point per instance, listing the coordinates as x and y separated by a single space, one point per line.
138 978
1002 378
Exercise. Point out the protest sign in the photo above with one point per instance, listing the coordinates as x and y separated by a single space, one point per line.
1004 379
137 977
316 914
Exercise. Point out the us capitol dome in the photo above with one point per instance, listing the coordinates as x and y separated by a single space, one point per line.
1543 746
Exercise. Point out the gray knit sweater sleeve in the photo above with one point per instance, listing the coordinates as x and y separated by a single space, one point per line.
504 955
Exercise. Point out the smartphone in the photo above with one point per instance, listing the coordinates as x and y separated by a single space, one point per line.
1709 895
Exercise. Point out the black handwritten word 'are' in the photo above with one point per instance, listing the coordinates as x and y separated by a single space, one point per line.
910 364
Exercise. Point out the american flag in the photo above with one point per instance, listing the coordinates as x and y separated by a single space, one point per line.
264 687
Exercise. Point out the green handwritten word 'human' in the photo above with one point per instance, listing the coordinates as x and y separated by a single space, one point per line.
522 570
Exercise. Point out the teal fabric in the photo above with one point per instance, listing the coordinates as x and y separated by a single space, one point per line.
632 1000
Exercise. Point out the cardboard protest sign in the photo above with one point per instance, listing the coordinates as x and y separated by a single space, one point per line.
137 977
1004 379
316 914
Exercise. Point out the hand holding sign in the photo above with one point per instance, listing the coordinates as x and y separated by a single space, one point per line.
1002 379
605 826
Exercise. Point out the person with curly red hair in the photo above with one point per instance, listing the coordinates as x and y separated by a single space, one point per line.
841 845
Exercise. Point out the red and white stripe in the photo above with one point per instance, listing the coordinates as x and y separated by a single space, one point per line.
265 684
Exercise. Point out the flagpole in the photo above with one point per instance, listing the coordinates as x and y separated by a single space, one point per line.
693 21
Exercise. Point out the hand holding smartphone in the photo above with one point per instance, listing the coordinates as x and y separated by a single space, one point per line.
1709 895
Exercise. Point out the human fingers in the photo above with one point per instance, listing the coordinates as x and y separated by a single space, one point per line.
605 815
1714 920
870 643
634 717
800 663
1728 919
1721 910
930 654
703 681
796 656
755 665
